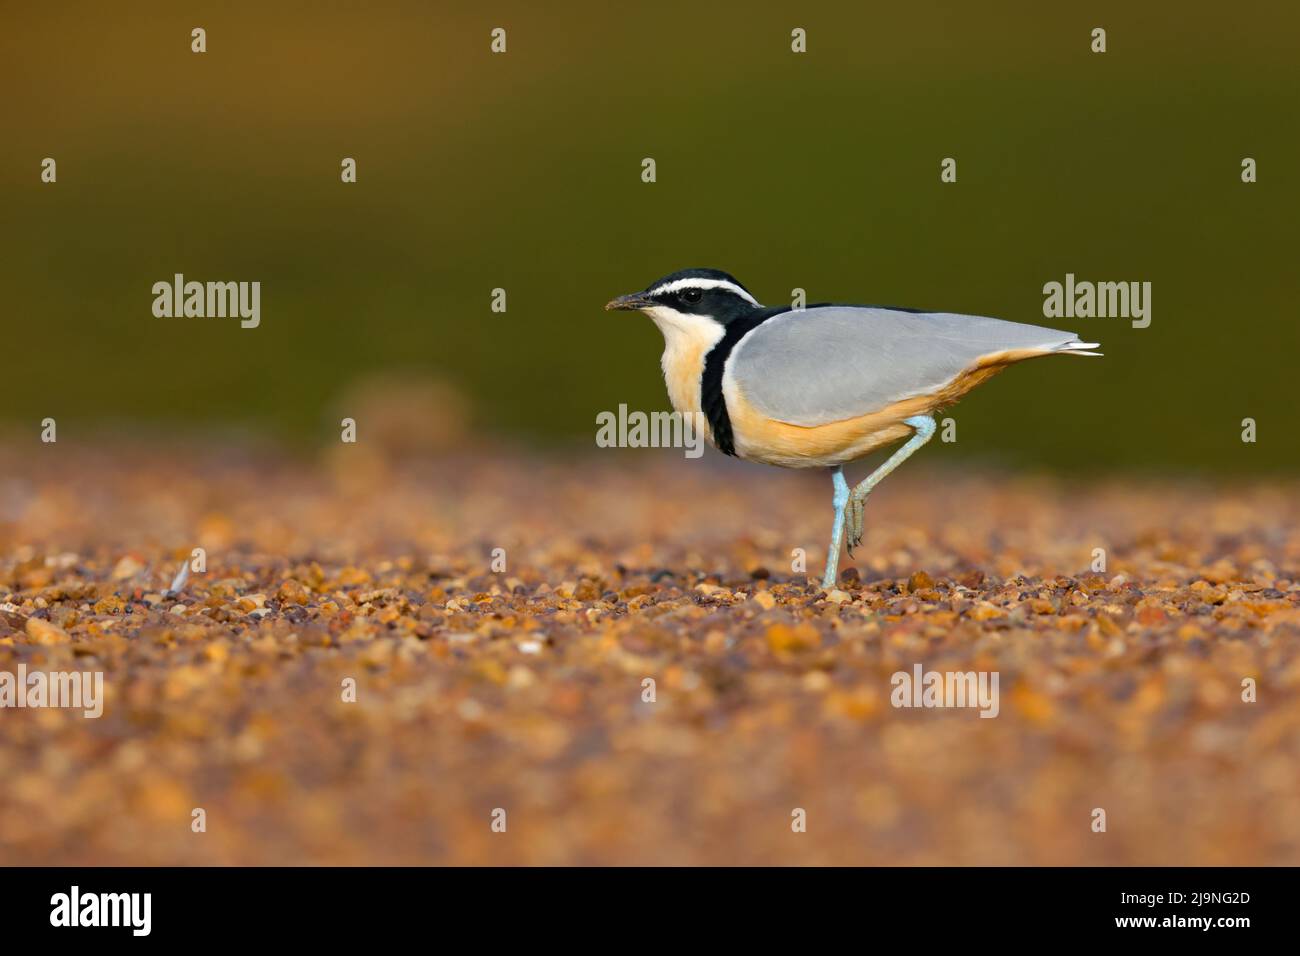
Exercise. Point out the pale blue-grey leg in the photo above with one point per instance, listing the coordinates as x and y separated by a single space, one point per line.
924 426
840 500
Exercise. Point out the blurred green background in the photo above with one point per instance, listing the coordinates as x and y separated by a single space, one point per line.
523 171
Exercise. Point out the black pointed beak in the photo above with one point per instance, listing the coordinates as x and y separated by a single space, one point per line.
629 303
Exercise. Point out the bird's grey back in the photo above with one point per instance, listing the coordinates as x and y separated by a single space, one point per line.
830 363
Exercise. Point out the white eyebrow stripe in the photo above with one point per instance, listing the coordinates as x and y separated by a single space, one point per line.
694 283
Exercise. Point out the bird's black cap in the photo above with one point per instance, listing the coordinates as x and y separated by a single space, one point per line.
710 292
716 274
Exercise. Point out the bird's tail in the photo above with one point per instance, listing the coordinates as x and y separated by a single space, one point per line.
1078 348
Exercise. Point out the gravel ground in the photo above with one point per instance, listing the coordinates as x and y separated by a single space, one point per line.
524 689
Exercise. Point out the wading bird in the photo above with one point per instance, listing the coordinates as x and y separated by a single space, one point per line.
824 385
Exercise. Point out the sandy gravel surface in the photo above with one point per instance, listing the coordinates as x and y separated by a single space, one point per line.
524 689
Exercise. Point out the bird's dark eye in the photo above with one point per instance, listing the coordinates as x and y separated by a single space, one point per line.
692 295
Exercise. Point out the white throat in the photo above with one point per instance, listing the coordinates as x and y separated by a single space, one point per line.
680 328
687 340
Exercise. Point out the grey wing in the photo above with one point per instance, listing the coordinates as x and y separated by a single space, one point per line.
830 363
